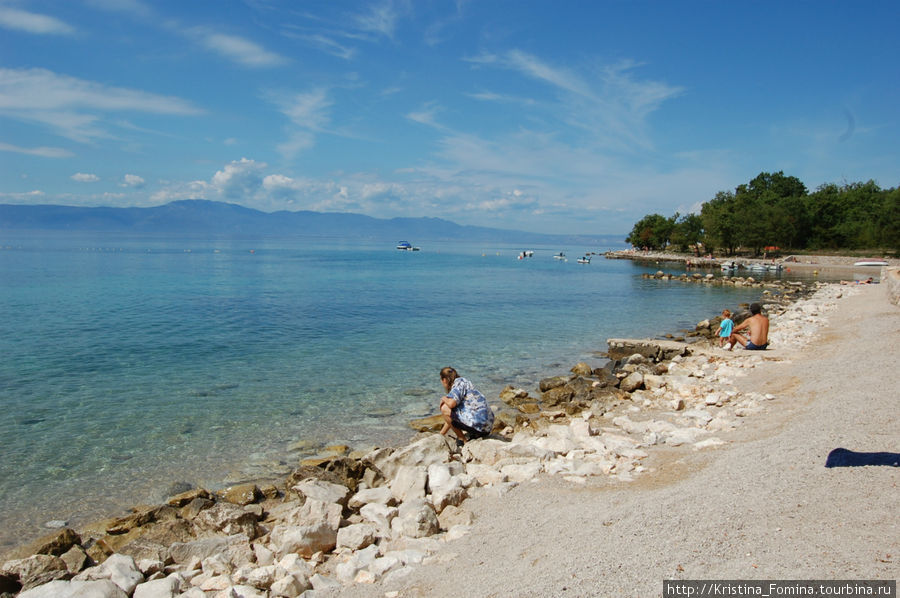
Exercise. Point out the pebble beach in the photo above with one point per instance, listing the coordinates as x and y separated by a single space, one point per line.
696 463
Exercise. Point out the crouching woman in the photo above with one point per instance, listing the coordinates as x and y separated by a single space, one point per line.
465 409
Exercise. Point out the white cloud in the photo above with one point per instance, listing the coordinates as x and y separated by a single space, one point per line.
81 177
135 7
43 152
426 115
74 107
30 22
380 18
133 180
239 179
240 50
309 113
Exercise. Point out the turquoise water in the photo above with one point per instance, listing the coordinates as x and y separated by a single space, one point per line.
132 363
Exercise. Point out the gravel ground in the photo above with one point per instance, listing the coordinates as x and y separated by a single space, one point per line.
763 506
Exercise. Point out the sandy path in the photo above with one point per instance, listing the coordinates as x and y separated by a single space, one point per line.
761 507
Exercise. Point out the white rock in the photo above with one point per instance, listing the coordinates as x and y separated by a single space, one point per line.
485 474
450 493
709 442
292 564
684 436
167 587
119 569
304 540
489 451
217 564
323 491
456 532
264 556
422 453
380 516
521 472
103 588
409 483
438 475
384 564
381 495
321 582
261 578
313 512
289 586
415 519
356 536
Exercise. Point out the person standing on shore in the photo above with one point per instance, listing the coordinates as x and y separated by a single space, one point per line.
758 326
465 409
725 327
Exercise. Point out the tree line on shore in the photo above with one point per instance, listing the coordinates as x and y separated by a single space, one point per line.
776 212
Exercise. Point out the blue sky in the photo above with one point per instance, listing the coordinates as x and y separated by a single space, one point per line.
575 116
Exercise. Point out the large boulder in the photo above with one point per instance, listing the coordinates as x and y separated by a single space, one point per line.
323 491
367 496
242 494
515 396
409 482
165 587
554 382
490 451
35 570
422 453
76 589
180 500
415 519
356 536
55 543
557 395
305 540
119 569
230 519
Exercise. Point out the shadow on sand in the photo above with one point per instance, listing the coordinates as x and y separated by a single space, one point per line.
841 457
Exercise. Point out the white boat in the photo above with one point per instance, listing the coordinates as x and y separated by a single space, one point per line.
406 246
560 256
871 263
584 260
527 253
728 266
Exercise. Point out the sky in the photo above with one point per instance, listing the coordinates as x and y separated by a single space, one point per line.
555 117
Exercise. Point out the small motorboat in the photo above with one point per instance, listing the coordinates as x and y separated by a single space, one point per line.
584 260
728 266
406 246
871 263
560 256
527 253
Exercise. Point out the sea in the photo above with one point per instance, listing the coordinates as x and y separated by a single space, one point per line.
133 366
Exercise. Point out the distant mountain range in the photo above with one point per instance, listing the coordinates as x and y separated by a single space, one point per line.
197 216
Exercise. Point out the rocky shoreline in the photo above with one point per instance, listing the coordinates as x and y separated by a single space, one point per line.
349 517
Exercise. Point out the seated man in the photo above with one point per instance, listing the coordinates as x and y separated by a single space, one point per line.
758 326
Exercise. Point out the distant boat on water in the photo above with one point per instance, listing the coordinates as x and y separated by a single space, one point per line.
584 260
406 246
526 253
560 256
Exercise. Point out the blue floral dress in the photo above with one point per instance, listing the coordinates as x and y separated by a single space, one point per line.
471 408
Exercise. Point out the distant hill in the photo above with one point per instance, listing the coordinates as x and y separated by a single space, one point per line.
199 216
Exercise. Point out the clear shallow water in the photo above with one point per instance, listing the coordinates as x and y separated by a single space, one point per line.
132 363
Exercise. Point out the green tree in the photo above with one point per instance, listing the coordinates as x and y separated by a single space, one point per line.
719 222
652 231
687 232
